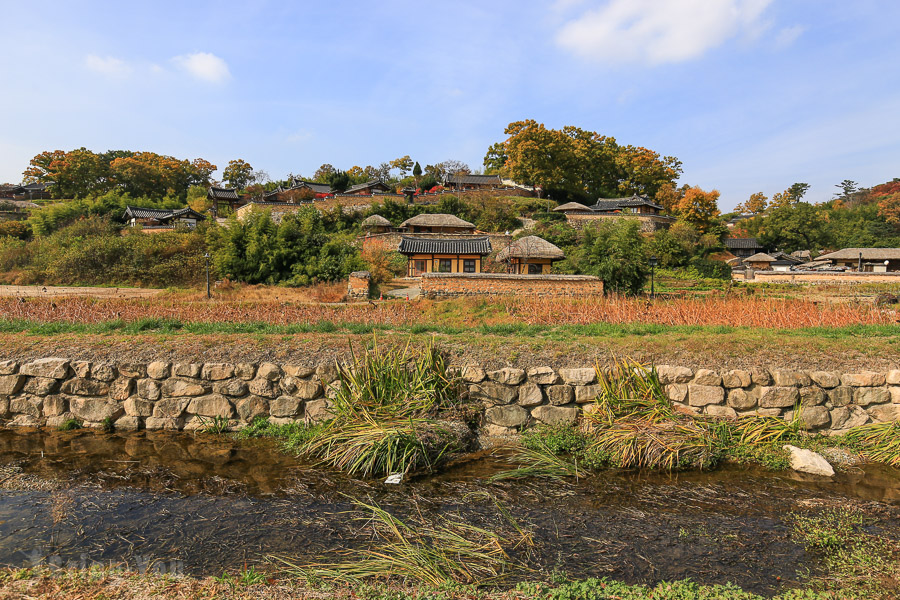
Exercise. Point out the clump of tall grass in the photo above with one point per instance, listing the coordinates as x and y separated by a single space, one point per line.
448 552
879 442
386 410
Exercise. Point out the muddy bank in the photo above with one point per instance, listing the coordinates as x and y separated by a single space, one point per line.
200 504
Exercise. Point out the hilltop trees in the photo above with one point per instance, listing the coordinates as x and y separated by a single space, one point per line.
81 173
580 162
238 174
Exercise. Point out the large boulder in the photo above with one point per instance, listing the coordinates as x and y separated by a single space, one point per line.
506 416
55 368
94 410
11 384
807 461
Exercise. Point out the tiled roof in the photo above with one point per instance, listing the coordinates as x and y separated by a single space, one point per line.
160 214
319 188
474 180
367 185
742 244
611 204
217 193
475 245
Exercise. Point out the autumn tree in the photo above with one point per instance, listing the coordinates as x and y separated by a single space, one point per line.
756 204
238 174
402 164
887 195
698 208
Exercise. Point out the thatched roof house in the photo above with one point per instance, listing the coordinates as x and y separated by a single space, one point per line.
376 223
437 223
573 207
530 255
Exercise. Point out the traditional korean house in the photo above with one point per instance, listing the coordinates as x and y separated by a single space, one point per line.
162 218
865 259
759 261
530 255
743 247
376 224
219 195
635 205
464 255
439 223
574 208
472 182
368 188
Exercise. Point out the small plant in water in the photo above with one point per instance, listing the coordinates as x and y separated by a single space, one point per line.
108 425
218 424
70 424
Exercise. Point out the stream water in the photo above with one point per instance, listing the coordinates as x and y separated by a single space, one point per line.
203 504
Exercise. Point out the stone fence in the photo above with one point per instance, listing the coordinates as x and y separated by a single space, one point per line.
159 395
815 277
453 285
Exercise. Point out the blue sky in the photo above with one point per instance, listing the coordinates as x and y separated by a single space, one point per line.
752 95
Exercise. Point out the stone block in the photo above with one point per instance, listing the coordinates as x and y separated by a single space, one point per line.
26 405
103 372
149 389
283 406
560 394
81 368
815 417
555 415
584 376
54 368
127 423
707 377
509 415
715 410
53 406
870 395
121 388
232 387
812 396
825 379
4 406
760 377
895 394
308 390
885 413
216 371
316 411
703 395
26 421
840 396
264 387
212 405
790 378
94 409
587 393
491 430
530 394
739 399
891 378
158 370
288 384
138 407
177 388
58 421
327 373
163 423
864 379
169 408
8 367
677 392
247 371
472 374
191 370
668 374
493 393
85 387
133 370
253 406
542 375
298 371
41 386
736 378
778 396
507 376
848 417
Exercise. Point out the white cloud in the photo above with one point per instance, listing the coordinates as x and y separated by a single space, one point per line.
658 31
204 66
788 36
107 65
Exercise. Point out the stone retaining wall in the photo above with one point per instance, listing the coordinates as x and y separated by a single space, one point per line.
161 395
454 285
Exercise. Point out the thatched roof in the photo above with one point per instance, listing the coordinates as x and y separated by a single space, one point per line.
531 247
572 206
439 220
376 221
759 257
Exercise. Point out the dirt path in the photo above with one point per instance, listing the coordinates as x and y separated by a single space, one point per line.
37 291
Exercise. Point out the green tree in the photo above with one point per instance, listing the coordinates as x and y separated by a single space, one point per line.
798 190
238 174
798 227
615 251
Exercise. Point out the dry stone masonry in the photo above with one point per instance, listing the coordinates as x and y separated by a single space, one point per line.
160 395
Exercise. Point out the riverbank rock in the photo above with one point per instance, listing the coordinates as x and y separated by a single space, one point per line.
807 461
